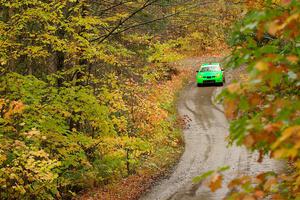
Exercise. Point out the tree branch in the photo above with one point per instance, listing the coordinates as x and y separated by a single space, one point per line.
121 22
114 6
165 17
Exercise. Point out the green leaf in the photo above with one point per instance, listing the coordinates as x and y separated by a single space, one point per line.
203 176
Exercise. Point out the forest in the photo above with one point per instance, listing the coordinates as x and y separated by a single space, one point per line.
88 90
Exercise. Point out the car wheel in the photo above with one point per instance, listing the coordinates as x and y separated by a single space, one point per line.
199 84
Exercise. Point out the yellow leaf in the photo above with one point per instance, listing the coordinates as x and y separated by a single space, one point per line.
270 183
286 134
261 66
234 88
285 153
274 27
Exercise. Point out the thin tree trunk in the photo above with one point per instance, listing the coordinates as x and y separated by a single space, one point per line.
60 66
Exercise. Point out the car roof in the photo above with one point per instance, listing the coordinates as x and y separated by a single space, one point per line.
210 64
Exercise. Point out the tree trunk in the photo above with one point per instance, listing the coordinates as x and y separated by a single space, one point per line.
60 66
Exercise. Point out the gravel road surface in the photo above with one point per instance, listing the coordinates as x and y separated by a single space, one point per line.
205 149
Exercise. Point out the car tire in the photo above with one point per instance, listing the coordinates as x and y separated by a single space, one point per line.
199 85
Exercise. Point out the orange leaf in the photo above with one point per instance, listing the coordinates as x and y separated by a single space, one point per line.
255 99
274 27
265 136
286 2
249 141
271 128
248 197
277 197
234 183
15 107
259 194
230 108
293 59
216 182
269 111
261 177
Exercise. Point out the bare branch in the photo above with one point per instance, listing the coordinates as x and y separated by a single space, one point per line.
166 16
121 22
114 6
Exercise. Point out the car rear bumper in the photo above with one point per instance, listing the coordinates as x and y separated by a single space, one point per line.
209 81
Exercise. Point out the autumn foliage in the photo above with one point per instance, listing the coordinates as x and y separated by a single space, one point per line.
83 104
264 108
88 88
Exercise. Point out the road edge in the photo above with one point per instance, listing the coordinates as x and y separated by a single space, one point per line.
218 106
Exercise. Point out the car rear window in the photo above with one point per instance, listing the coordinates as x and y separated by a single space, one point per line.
210 69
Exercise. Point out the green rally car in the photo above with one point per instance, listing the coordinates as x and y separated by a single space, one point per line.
210 73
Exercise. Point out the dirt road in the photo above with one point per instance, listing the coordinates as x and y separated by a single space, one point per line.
205 149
